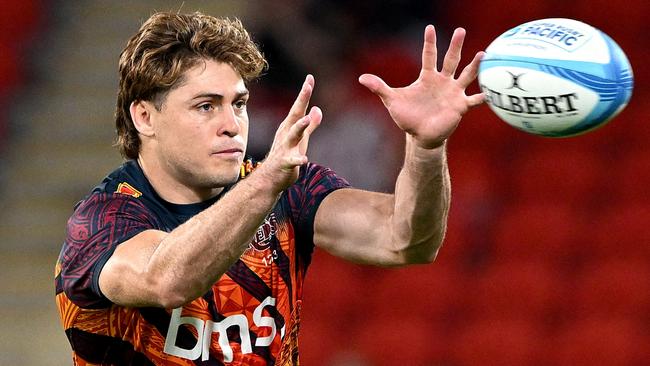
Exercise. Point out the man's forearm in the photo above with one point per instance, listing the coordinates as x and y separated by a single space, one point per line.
194 255
422 197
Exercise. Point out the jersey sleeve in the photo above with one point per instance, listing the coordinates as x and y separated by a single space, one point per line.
314 183
98 225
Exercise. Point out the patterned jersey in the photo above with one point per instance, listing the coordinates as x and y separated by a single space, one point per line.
251 314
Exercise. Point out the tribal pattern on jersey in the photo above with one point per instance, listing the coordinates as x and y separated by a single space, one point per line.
250 316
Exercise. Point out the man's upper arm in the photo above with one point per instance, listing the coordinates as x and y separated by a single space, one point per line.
124 279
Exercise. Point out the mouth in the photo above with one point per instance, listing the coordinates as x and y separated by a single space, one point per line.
234 152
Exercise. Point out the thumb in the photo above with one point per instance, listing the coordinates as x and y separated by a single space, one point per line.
376 85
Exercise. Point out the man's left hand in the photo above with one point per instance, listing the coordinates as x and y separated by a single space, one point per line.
432 106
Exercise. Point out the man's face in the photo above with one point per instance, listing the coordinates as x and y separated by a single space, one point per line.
201 129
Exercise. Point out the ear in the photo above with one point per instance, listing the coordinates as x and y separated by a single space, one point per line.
141 117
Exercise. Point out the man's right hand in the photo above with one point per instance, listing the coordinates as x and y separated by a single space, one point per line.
289 149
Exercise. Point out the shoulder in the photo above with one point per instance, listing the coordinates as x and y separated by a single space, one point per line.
314 183
127 179
103 204
120 186
119 196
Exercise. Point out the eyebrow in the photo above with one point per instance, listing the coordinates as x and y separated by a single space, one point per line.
219 97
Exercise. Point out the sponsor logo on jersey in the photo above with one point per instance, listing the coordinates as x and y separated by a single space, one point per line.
126 188
205 329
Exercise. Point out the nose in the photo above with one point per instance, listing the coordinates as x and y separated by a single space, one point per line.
229 123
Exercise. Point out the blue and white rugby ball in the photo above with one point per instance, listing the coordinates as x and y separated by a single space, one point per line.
555 77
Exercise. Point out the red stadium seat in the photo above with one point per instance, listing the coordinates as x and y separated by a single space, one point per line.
368 313
622 231
633 128
324 338
552 231
433 292
517 290
475 193
333 286
456 247
556 173
631 174
474 178
402 339
600 342
612 288
333 300
619 22
498 343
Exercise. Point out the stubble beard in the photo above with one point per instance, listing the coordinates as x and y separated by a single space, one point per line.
204 177
212 179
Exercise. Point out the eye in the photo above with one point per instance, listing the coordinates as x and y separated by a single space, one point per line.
205 107
241 104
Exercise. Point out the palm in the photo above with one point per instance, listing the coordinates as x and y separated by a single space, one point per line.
427 112
431 107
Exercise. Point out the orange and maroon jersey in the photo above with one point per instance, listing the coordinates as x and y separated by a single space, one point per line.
249 317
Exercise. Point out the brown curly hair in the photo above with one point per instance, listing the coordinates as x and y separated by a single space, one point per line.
168 44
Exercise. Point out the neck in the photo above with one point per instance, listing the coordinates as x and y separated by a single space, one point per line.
171 189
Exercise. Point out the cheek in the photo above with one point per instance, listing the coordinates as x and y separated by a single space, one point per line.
244 129
183 140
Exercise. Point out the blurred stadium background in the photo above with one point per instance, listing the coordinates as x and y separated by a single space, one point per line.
547 259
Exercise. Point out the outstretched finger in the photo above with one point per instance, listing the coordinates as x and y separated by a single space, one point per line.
299 107
452 57
429 50
470 71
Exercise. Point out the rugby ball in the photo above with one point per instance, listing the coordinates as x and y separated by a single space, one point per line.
555 77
